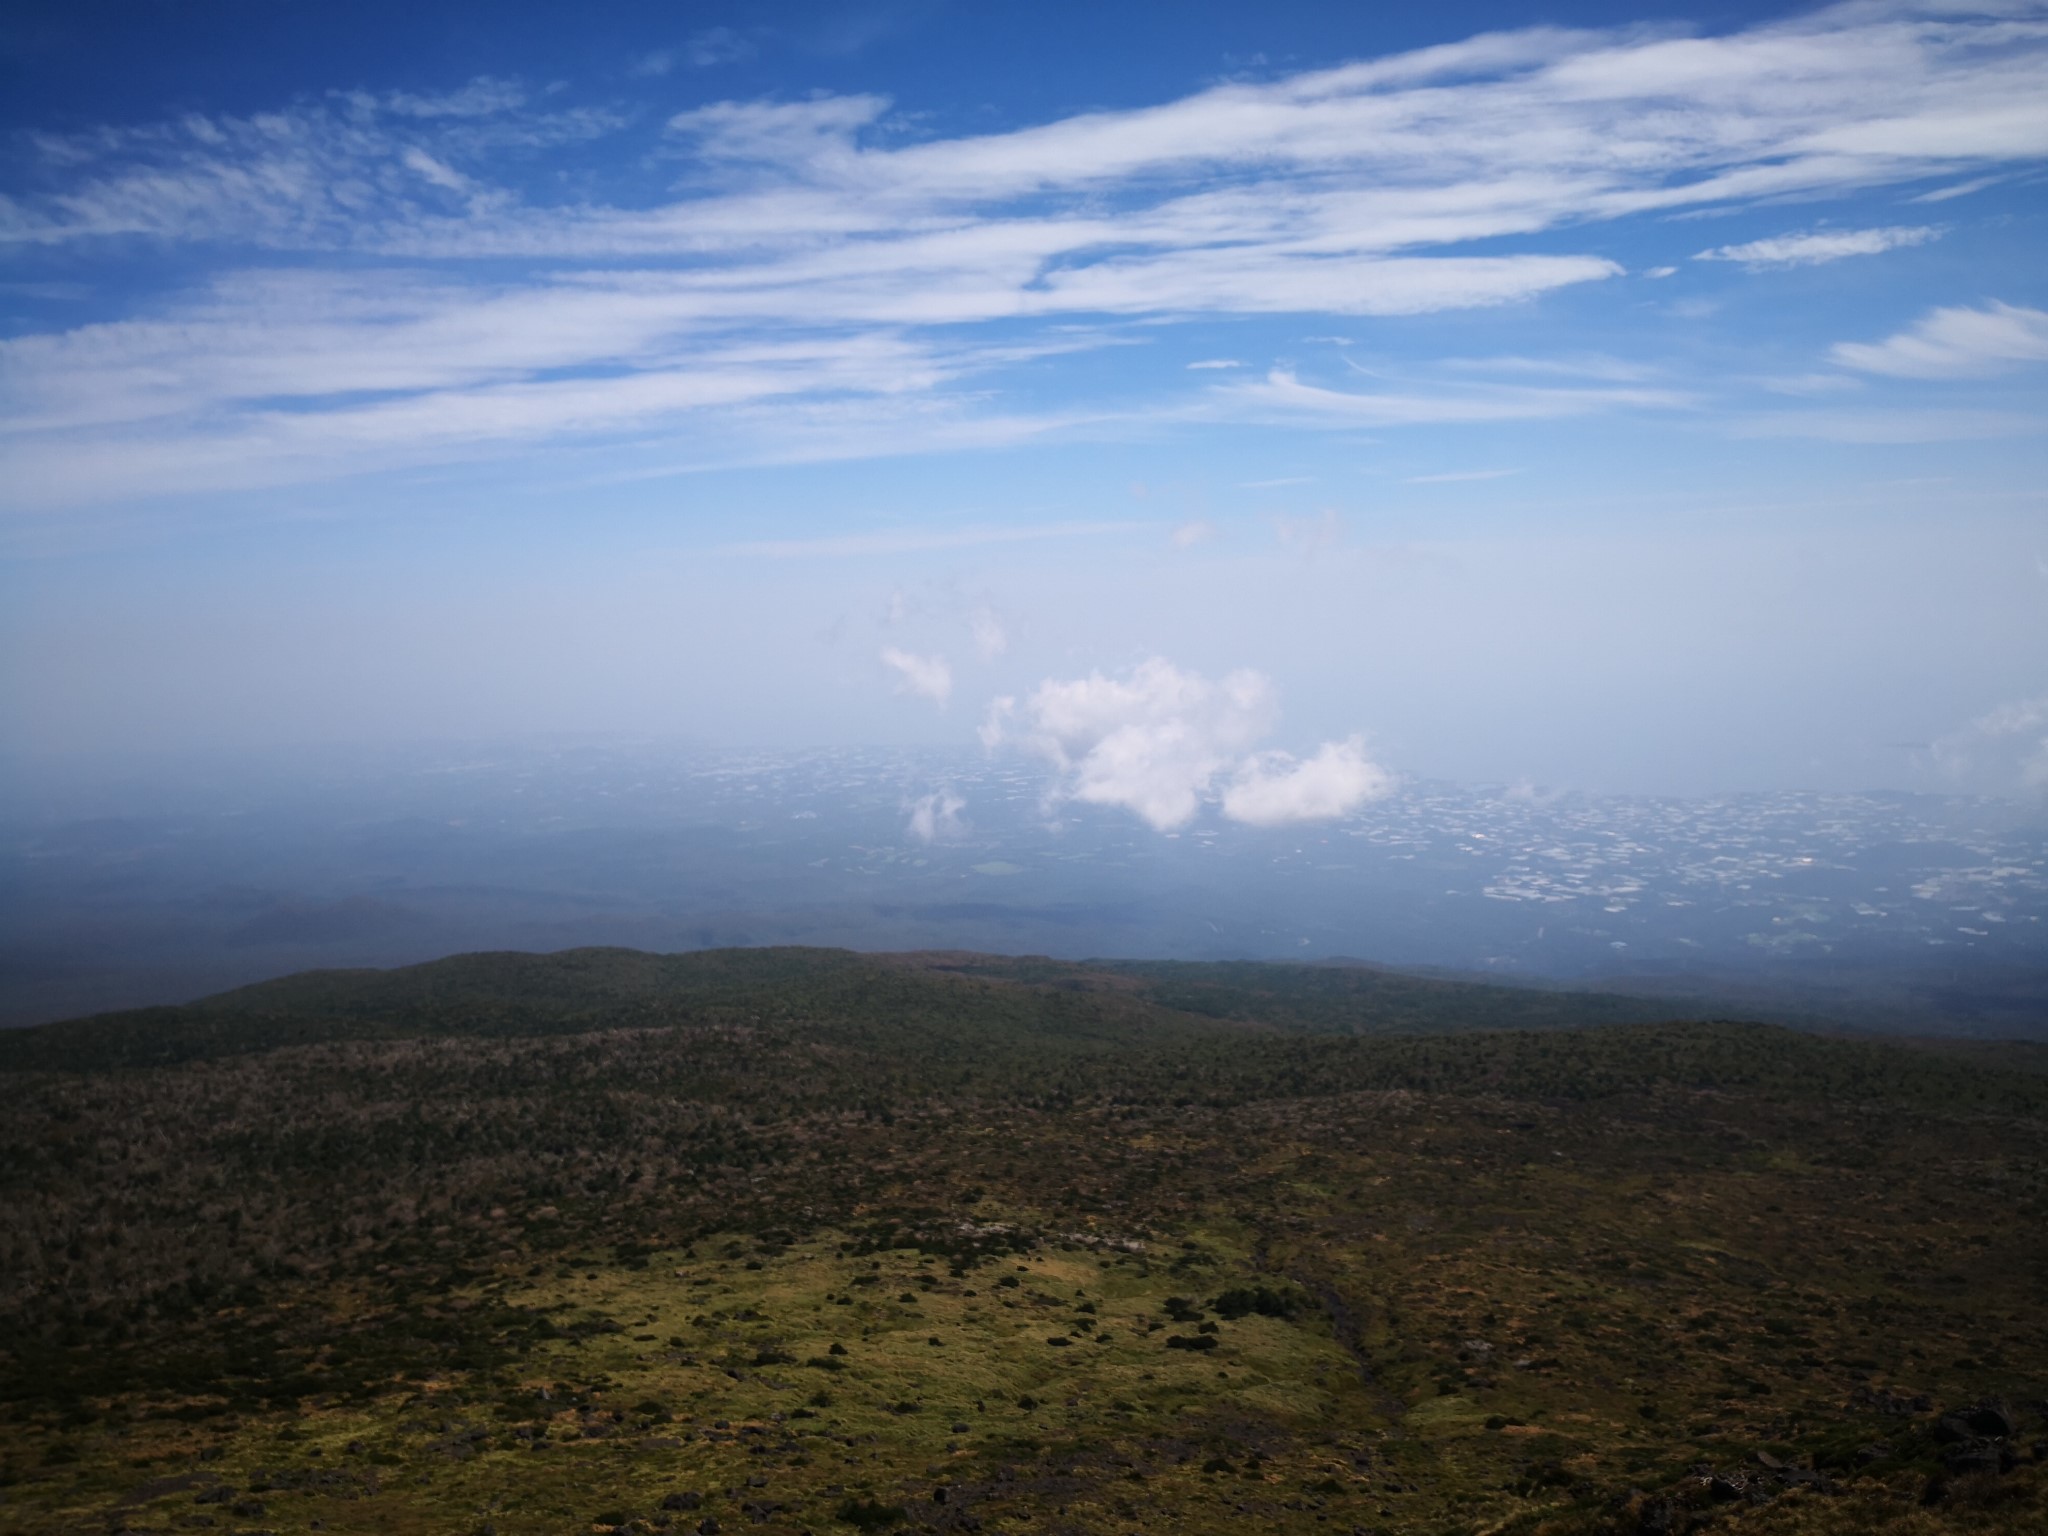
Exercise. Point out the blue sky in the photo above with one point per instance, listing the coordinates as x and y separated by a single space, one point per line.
1643 400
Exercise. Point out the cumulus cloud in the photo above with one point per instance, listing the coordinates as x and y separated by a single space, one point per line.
1158 741
1274 788
1955 342
928 677
1152 743
935 817
1818 246
2002 751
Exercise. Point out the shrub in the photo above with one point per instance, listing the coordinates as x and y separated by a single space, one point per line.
867 1515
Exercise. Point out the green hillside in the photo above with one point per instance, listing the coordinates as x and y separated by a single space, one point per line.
805 1240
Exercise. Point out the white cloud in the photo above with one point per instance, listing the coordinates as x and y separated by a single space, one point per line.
1818 246
1158 741
1272 788
1282 394
1151 743
1195 531
443 176
926 676
795 136
2002 751
1216 362
1955 343
935 817
1960 189
810 261
990 639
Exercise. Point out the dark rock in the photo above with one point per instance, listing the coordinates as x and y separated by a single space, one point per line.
1951 1428
1990 1418
1727 1487
1660 1517
708 1526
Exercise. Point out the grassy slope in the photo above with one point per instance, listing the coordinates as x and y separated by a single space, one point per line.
355 1240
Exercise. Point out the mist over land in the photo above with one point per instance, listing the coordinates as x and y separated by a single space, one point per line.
1893 911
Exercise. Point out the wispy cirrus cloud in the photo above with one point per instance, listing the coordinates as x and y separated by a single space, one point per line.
1954 343
1819 246
774 268
1282 394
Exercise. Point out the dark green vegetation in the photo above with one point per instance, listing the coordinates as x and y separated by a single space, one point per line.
788 1240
